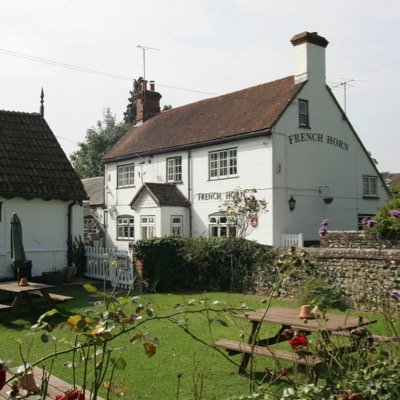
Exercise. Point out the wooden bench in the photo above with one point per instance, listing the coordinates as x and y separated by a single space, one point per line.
54 296
376 338
234 347
56 386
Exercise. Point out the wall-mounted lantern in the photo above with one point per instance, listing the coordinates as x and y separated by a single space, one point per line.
328 200
292 203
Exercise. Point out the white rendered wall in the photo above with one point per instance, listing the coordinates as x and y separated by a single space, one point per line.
166 215
330 164
147 169
254 160
254 172
44 229
309 166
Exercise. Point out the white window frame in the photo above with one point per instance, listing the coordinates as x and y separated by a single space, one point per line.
304 115
223 164
126 175
370 186
148 225
174 169
125 227
177 225
219 224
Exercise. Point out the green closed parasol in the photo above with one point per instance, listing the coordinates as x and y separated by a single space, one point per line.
17 246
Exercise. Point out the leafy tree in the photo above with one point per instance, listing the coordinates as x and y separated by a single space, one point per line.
130 113
98 139
242 209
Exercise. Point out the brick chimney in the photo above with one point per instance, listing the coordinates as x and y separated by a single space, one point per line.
309 57
147 103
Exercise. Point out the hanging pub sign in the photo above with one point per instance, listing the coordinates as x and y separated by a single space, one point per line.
254 220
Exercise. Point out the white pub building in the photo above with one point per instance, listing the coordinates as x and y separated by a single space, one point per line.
289 139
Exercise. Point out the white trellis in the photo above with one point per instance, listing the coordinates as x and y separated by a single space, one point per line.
100 266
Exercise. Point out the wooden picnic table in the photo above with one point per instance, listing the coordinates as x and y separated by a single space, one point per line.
25 295
56 386
285 318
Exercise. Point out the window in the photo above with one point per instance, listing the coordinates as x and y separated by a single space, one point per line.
223 164
89 224
303 113
221 226
174 169
125 228
148 226
176 225
126 175
370 186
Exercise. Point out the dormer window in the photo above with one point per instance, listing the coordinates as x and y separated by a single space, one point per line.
304 120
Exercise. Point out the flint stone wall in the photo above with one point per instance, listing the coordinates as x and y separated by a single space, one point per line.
366 269
357 239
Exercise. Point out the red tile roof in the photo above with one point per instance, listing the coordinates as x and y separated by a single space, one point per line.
95 190
250 110
394 178
32 162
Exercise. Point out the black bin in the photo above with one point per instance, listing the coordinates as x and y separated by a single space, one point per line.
22 270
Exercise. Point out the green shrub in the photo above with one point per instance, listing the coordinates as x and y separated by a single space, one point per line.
76 254
164 267
388 220
214 264
323 294
377 381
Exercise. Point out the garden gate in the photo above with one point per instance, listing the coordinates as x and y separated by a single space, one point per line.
113 265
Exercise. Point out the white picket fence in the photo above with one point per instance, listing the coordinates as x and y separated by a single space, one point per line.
292 240
100 266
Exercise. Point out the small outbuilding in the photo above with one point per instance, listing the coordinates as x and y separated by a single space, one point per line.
38 183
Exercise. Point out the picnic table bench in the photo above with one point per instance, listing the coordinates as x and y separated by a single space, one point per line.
56 297
24 295
234 347
375 338
56 386
330 325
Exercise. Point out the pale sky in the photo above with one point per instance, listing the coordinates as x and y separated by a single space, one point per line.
214 46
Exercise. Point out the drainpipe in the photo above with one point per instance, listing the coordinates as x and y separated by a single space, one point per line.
69 233
190 192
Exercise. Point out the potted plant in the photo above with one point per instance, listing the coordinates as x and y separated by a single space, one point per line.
69 274
54 277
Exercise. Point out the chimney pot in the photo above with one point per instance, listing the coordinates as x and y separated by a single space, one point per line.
152 86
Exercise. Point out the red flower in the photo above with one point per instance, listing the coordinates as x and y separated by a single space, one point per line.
299 342
72 394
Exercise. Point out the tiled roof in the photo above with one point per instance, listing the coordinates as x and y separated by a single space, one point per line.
164 194
394 178
32 162
246 111
95 190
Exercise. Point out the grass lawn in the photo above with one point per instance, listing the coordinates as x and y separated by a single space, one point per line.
179 360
